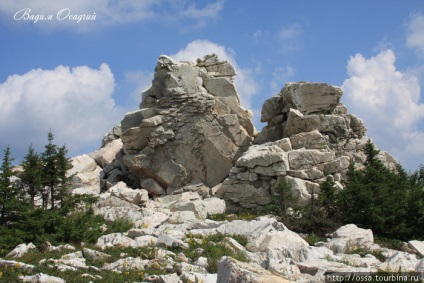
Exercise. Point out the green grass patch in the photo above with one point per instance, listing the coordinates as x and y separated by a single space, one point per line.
214 250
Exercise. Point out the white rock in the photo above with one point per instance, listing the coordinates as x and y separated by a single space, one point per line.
168 200
121 191
136 232
20 250
233 271
114 239
168 278
313 266
400 262
75 259
279 264
306 158
13 263
202 262
316 253
418 246
299 189
171 242
350 237
41 278
420 266
111 214
107 154
279 238
183 267
201 208
144 241
124 264
368 261
312 97
181 217
151 218
262 155
82 164
95 255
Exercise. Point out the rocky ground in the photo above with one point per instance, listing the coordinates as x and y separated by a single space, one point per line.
170 227
191 154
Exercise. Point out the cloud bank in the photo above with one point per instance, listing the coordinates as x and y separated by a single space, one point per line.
75 103
388 100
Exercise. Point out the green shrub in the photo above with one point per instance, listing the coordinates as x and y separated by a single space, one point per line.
120 225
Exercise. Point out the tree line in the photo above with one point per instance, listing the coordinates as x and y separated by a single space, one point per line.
389 202
36 205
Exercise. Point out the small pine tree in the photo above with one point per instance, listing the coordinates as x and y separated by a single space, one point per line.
63 165
31 178
55 166
10 196
282 200
50 176
328 198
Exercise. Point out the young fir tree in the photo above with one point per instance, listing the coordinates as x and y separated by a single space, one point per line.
415 206
31 178
282 200
55 165
63 165
327 199
376 197
10 195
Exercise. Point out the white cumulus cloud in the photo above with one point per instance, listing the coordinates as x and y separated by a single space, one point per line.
388 100
415 33
245 83
75 103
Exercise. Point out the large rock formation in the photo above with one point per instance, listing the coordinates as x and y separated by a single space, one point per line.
309 135
190 128
190 134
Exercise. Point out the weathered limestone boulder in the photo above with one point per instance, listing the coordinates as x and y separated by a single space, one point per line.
231 270
106 154
114 239
137 196
189 121
400 262
85 175
75 259
20 250
201 208
311 98
278 238
123 264
41 278
349 237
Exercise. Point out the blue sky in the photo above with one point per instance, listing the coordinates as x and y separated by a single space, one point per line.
80 70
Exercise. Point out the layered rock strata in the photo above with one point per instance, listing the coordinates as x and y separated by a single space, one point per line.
309 135
190 128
